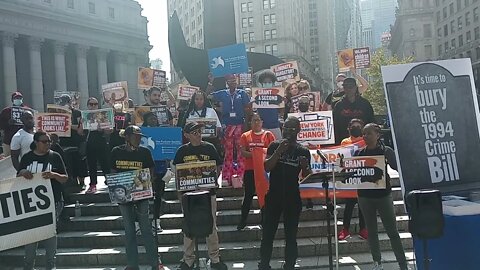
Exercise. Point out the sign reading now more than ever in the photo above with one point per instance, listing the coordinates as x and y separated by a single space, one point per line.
230 59
27 211
435 122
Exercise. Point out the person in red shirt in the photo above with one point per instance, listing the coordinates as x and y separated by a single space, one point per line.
256 137
8 125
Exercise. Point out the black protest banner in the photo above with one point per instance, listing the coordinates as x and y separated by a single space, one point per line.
435 124
27 211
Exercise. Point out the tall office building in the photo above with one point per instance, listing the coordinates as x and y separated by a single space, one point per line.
366 8
377 17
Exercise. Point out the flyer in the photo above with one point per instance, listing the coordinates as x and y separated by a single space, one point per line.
185 92
160 111
286 71
98 119
196 175
129 186
116 92
149 77
67 98
209 126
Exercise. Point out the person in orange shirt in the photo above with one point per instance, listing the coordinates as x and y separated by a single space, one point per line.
256 137
355 130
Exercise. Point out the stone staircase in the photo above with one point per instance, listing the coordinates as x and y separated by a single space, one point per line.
96 238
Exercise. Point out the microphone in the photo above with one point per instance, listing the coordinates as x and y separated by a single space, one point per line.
322 156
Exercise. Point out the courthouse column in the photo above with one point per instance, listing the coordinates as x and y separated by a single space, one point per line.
120 66
102 69
36 79
60 73
82 74
9 67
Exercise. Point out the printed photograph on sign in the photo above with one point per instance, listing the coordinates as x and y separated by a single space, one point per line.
435 103
286 71
315 101
160 112
369 173
163 142
209 126
185 92
268 97
16 113
345 59
129 186
148 77
53 108
37 222
54 123
67 98
116 92
196 175
316 128
98 119
362 57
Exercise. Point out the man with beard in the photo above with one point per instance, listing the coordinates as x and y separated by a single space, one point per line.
285 159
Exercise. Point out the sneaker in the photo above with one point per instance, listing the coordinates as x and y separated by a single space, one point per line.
158 228
343 234
241 225
377 266
184 266
218 266
92 189
363 234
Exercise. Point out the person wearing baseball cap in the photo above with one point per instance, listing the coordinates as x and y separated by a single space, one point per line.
10 121
194 151
127 157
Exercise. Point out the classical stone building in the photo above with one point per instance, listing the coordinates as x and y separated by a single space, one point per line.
74 45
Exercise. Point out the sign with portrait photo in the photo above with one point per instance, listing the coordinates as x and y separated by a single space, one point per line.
315 101
196 175
160 111
54 123
98 119
116 92
67 98
353 58
268 97
129 186
149 77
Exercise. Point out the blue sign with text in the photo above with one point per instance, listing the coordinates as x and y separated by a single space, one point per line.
230 59
163 142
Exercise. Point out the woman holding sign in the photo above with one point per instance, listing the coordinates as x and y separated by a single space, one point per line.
372 201
43 160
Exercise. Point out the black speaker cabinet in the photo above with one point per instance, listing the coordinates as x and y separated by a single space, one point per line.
426 214
197 211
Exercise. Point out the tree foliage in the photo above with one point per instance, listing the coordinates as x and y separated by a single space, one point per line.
375 93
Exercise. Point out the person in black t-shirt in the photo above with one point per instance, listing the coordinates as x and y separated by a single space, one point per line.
97 150
127 157
351 106
372 201
285 159
122 120
50 164
198 150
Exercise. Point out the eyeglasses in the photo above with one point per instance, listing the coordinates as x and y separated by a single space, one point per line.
195 132
45 141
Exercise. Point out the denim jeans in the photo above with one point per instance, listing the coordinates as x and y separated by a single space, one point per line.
49 244
138 211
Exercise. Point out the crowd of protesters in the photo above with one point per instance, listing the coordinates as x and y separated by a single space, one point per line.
239 129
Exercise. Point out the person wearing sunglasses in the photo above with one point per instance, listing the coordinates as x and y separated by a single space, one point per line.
194 151
50 164
352 105
97 150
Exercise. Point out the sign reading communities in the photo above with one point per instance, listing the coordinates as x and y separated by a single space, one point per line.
228 60
435 122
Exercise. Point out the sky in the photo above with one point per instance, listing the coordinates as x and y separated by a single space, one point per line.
157 15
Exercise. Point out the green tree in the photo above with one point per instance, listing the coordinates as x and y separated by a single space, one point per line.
375 93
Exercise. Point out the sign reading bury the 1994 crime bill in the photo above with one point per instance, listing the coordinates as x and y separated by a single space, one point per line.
435 122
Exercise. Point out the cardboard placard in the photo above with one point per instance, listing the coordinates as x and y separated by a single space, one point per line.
316 128
129 186
61 98
369 172
315 101
353 57
209 126
286 71
160 111
116 92
36 221
268 97
54 123
54 108
98 119
185 92
16 114
149 77
196 175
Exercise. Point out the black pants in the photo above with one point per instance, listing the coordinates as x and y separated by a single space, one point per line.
97 153
291 207
159 190
249 192
347 214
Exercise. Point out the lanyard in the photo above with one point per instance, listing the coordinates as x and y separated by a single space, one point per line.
232 99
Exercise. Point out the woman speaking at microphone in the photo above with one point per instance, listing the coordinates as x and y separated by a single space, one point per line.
43 160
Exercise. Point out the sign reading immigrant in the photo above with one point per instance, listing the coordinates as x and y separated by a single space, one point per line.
28 211
54 123
286 71
196 175
435 124
129 186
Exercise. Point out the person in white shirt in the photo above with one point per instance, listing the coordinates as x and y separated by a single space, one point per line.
200 107
21 141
